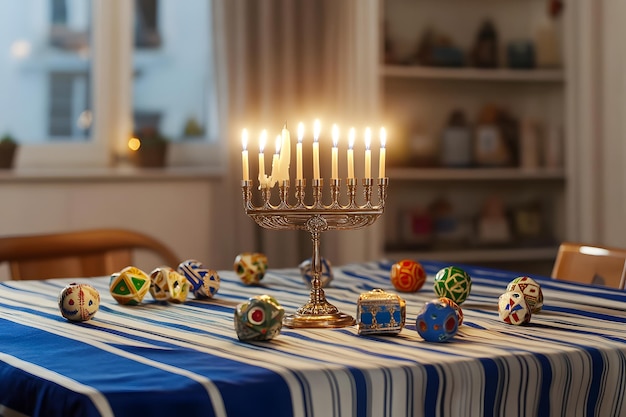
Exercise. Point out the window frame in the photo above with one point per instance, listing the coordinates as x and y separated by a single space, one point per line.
111 83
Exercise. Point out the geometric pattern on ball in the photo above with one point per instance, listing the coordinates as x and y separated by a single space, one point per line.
205 283
531 291
168 285
454 283
513 309
407 275
129 286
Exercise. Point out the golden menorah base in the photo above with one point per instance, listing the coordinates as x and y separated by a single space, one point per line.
317 218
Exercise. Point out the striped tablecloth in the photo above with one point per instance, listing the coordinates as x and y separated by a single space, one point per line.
186 360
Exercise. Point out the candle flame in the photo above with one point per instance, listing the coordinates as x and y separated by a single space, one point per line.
335 135
244 139
351 136
383 137
368 138
300 132
316 130
278 140
262 141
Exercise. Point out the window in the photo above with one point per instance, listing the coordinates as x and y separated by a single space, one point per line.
80 85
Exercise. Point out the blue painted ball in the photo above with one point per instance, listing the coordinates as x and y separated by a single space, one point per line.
437 321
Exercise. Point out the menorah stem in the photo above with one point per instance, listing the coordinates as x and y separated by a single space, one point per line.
317 293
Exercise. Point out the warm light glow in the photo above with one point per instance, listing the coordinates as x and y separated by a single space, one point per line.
316 130
351 138
244 139
134 144
334 156
368 138
383 137
300 132
335 135
278 140
589 250
262 141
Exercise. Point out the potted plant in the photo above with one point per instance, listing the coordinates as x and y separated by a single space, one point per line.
152 151
8 148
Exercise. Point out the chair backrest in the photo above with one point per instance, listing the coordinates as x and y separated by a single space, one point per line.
87 253
590 264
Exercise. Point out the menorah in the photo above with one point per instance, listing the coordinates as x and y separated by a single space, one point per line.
293 213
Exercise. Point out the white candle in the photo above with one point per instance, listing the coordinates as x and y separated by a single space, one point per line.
381 162
334 156
368 153
262 141
244 155
316 150
351 136
285 155
299 151
275 164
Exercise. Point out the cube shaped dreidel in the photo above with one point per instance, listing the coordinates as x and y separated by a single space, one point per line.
437 321
306 270
79 302
129 286
407 276
204 282
454 283
380 312
531 291
250 267
513 309
259 318
168 285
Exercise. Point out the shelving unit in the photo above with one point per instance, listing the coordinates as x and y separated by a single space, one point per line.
417 102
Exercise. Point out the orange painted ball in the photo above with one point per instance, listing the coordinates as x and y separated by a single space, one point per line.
408 276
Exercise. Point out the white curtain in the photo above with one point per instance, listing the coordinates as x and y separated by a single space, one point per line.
293 60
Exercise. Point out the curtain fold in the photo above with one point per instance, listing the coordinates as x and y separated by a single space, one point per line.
292 61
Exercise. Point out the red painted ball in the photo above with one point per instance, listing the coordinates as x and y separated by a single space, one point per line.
408 276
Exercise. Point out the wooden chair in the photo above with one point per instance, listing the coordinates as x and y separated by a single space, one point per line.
77 254
590 264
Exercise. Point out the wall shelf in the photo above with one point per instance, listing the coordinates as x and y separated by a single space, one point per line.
474 74
475 174
547 253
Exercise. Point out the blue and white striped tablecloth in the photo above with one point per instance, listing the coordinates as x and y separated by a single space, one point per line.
186 360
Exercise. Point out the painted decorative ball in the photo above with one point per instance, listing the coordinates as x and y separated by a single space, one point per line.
531 290
250 267
437 321
454 283
513 309
205 283
259 318
306 268
79 302
168 285
129 286
408 276
455 306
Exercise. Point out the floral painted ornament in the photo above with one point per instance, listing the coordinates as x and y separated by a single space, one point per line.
79 302
250 267
407 276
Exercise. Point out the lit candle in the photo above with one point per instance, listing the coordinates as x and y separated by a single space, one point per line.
285 155
368 153
244 155
262 141
381 162
316 150
275 164
334 167
351 136
299 151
